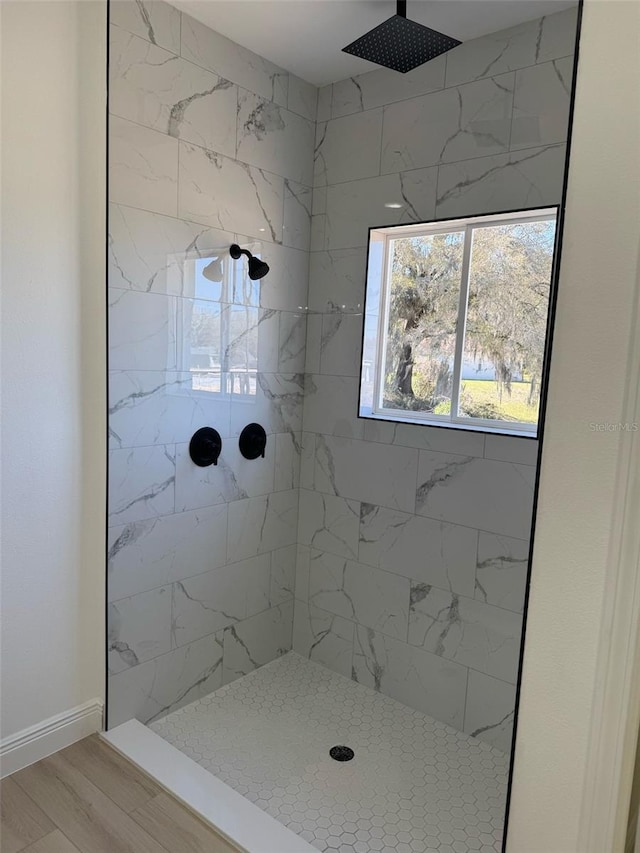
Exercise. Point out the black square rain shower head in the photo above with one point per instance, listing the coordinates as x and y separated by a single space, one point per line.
401 44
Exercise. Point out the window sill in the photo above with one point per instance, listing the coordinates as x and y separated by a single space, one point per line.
369 414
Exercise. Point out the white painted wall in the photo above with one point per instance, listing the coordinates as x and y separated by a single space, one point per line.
598 278
53 358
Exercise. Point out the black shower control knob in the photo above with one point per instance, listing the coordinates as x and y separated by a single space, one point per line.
253 441
205 447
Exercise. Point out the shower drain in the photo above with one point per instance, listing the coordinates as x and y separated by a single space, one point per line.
341 753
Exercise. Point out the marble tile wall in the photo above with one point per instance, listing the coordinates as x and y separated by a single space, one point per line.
209 145
413 541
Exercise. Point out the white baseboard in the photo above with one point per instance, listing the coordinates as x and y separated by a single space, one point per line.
43 739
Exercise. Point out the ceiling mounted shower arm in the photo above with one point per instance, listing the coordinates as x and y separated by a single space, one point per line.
401 8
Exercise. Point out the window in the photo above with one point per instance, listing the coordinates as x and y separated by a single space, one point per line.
456 321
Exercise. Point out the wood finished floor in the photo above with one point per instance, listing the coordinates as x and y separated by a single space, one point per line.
89 799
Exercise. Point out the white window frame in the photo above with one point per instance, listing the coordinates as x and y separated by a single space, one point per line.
467 225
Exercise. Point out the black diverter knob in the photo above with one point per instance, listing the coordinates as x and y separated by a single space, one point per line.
253 440
205 447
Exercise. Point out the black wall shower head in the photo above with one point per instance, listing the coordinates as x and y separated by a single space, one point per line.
257 268
401 44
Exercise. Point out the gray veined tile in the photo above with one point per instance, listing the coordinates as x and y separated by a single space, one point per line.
367 596
303 555
302 98
314 336
287 461
501 571
454 124
355 206
283 574
510 449
156 687
156 254
329 523
469 632
154 20
225 193
292 342
413 676
318 232
298 200
285 287
361 470
337 280
141 483
341 344
426 438
493 496
233 478
142 331
490 710
330 406
348 148
215 52
143 555
521 179
139 628
257 640
323 637
324 103
557 35
157 89
143 167
274 139
307 460
428 551
276 404
541 104
261 524
383 86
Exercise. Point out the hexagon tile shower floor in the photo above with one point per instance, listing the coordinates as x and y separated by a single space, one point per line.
415 785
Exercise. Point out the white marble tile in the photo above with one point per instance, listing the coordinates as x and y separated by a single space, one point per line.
302 98
348 148
428 551
329 523
285 287
287 461
337 280
368 596
355 206
381 474
330 406
450 125
323 112
323 637
510 449
493 496
233 478
501 571
143 555
206 603
257 640
558 35
274 139
490 710
307 460
426 437
227 194
469 632
297 215
256 577
156 687
276 404
413 676
341 344
154 20
495 53
522 179
213 51
293 334
143 167
157 254
283 574
303 555
141 483
153 87
160 407
139 628
541 104
318 232
319 203
142 331
383 86
261 524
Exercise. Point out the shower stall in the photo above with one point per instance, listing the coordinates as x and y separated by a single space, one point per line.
335 581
